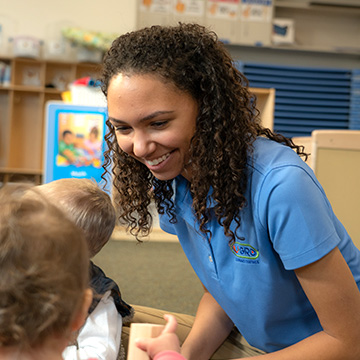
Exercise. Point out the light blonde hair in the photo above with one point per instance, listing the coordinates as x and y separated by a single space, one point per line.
87 205
44 266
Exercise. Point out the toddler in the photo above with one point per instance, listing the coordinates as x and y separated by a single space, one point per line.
44 294
91 210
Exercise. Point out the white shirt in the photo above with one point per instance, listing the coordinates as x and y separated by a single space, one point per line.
100 336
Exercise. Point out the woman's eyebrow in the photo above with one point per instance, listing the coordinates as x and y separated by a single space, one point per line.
145 118
115 121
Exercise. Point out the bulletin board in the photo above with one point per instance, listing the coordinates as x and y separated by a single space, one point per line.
74 141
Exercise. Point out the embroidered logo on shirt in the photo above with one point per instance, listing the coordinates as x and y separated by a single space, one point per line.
245 252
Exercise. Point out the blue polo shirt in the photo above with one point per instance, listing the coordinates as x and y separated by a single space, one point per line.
288 223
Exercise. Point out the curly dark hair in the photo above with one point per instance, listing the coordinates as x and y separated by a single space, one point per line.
190 57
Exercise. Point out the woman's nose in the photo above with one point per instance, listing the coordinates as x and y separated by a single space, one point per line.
143 145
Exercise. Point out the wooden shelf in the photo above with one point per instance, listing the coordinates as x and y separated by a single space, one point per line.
22 108
21 171
325 36
317 5
20 175
326 28
26 88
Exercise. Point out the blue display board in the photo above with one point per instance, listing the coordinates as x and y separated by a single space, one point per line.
75 143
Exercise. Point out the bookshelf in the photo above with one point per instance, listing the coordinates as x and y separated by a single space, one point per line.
22 109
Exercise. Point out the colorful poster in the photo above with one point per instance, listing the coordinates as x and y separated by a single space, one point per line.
74 141
156 6
223 9
256 10
189 7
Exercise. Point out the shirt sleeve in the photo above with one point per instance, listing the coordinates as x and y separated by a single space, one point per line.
101 334
169 355
62 147
298 216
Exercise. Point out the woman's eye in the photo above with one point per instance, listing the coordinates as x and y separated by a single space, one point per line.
159 124
122 129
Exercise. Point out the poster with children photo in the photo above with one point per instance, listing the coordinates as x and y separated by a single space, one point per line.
74 141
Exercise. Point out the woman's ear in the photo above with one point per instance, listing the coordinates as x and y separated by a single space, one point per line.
80 317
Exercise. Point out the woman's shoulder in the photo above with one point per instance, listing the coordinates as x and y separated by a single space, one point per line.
269 155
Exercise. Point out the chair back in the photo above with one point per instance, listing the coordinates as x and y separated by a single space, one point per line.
335 160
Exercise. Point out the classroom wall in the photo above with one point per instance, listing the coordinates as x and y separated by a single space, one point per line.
45 18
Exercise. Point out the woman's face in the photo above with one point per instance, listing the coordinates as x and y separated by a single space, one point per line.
154 123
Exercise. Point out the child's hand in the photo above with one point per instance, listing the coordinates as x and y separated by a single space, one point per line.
167 340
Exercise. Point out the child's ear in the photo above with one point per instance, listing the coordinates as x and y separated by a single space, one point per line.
80 318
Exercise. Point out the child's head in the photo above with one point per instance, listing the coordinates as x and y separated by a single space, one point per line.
68 137
43 270
94 133
87 205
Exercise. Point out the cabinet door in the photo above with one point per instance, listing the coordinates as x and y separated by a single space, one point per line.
26 131
5 107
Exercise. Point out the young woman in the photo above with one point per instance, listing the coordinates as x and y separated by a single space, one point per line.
251 217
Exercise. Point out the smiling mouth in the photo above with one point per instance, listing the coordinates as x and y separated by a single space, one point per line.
158 160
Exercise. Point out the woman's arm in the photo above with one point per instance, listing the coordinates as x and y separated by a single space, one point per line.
210 329
332 291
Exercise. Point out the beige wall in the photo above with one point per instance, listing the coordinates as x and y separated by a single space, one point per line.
45 18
